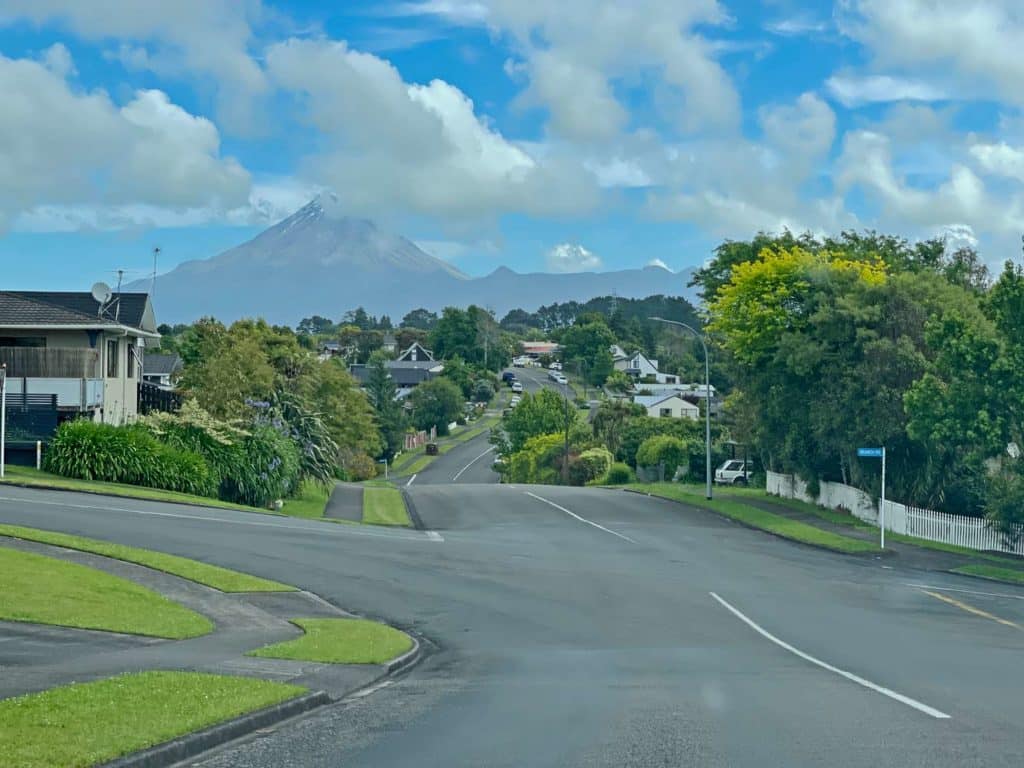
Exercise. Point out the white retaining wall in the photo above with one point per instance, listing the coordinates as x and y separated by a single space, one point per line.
970 532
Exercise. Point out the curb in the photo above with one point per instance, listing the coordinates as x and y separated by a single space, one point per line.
407 659
57 489
414 516
983 578
194 744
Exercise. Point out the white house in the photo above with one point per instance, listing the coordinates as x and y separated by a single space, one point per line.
639 366
671 406
67 344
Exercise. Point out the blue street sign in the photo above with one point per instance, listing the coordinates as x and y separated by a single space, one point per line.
870 453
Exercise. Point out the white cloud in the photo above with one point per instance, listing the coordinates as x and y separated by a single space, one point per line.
618 172
574 52
977 43
57 59
568 257
658 263
180 38
961 199
804 129
855 91
797 26
420 148
1000 159
59 147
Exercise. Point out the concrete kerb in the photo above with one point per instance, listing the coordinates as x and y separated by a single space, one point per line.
414 517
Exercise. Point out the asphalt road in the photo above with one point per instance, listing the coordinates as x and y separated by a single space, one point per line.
581 627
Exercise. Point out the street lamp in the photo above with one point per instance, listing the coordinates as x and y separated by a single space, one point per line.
707 396
565 458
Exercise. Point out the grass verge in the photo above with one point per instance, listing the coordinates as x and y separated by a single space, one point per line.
994 572
211 575
384 506
35 478
45 590
309 502
341 641
759 518
90 723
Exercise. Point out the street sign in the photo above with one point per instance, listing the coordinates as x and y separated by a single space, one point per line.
877 453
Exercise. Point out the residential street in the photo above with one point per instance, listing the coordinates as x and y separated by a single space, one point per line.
593 639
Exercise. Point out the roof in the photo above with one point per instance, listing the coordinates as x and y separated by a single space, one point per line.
403 373
161 365
649 401
414 351
47 308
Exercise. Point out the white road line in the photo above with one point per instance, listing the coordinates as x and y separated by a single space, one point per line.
825 665
344 530
410 481
581 519
434 536
474 461
966 591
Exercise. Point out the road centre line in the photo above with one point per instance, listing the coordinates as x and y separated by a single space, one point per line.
345 530
931 711
971 609
965 591
410 480
474 461
581 519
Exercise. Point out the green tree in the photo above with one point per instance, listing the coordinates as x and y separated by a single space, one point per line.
315 325
436 403
537 414
382 393
610 419
420 318
222 382
618 381
663 451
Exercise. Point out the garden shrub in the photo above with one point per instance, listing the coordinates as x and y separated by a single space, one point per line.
270 468
131 455
618 474
595 463
662 449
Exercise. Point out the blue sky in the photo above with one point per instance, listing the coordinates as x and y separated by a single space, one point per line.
584 134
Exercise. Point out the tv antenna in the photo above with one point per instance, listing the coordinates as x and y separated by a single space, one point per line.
152 282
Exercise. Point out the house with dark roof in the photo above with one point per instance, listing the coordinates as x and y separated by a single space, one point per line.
161 370
414 366
90 356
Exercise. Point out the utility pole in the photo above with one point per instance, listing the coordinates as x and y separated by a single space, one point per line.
707 397
565 460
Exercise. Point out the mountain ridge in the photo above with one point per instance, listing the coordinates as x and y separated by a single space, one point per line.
318 261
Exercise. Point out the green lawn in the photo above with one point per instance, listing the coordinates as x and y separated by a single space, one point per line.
90 723
1010 575
211 575
37 479
45 590
384 506
758 518
341 641
309 502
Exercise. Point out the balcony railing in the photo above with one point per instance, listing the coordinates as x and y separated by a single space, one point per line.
51 362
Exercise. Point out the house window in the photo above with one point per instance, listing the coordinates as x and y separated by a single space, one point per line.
665 413
22 341
113 348
130 371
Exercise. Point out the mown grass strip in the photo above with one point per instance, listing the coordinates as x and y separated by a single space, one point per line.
34 478
310 502
214 576
384 506
89 723
994 572
759 518
341 641
45 590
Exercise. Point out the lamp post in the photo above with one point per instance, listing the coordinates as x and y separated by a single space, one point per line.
565 458
707 396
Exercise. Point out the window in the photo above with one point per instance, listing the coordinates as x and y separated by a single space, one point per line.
113 349
130 370
22 341
665 413
735 466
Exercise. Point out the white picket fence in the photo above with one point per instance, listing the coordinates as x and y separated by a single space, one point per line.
963 531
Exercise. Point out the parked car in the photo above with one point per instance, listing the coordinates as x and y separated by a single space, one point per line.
514 402
560 379
734 472
517 386
555 366
508 376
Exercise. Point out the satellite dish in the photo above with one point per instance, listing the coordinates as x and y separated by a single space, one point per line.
102 293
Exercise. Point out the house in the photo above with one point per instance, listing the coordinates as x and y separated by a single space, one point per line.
161 370
668 406
617 353
389 344
329 349
69 345
691 392
414 366
643 368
